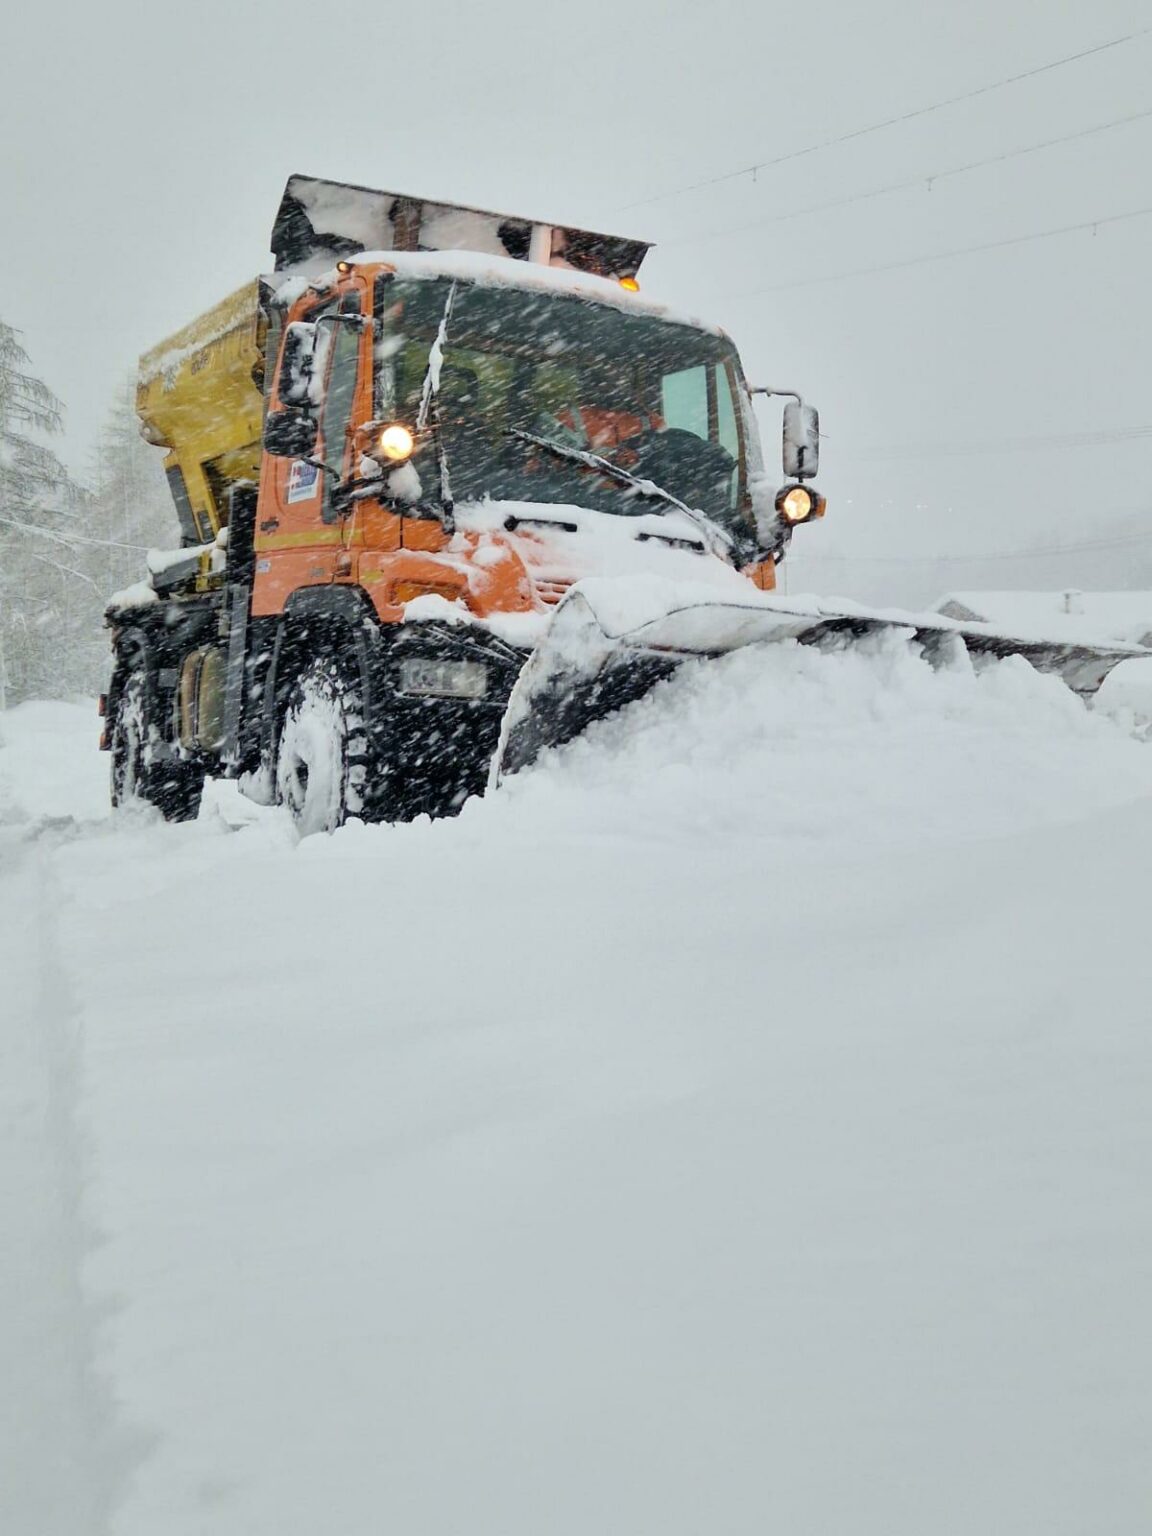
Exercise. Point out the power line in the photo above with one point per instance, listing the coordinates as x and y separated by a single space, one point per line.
888 122
903 186
52 565
964 250
69 539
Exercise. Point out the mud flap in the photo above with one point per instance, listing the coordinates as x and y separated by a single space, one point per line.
609 644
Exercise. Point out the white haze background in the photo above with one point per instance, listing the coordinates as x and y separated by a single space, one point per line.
740 1124
147 148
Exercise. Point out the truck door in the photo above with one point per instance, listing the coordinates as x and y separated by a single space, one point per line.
297 533
334 444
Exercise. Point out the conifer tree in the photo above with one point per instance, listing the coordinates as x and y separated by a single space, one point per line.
131 507
39 503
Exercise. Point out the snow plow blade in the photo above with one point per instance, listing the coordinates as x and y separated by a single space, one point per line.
611 642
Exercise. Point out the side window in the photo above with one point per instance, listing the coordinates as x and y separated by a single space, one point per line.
728 433
343 366
703 405
700 400
685 400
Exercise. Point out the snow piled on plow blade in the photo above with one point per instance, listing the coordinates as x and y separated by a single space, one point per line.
839 753
611 640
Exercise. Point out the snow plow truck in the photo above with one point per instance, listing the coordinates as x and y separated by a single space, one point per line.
450 488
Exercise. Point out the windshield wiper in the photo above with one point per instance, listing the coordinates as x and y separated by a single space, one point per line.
645 488
603 466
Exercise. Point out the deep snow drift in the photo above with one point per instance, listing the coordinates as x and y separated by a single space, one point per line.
738 1123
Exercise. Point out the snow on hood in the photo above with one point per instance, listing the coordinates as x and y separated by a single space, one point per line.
643 559
564 542
640 559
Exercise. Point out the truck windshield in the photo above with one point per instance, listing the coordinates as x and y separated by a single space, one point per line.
658 400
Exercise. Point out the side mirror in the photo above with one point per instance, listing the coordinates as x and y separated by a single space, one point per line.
289 434
297 360
801 443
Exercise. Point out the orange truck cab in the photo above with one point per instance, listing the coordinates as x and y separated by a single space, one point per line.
461 415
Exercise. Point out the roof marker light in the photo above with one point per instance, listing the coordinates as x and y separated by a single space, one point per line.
629 283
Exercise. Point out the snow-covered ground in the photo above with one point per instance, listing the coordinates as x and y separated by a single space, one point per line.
1093 616
737 1124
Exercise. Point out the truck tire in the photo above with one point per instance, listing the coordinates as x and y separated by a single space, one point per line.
139 774
323 757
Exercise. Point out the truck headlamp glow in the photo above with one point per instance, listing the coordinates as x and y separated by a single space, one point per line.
395 443
797 503
443 679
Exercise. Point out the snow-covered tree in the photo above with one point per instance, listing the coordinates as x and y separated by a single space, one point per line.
41 588
65 548
131 507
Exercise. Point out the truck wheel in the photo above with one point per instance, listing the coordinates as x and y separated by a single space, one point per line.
138 776
322 758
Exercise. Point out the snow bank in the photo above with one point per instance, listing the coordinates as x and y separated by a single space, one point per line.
48 765
1126 695
738 1123
839 752
1070 614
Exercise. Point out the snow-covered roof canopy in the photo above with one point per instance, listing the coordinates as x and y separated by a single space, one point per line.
498 272
325 220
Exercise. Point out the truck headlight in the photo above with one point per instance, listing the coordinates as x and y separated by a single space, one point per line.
799 503
443 679
395 443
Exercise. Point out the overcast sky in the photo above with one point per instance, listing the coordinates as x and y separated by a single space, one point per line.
146 148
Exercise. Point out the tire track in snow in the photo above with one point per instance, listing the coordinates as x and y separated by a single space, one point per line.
57 1462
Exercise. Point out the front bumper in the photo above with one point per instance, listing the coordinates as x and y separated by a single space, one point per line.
434 749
